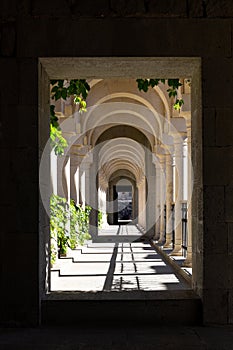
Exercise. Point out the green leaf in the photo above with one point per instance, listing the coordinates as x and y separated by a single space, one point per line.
64 93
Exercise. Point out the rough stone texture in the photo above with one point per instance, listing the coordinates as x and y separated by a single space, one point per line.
214 204
127 7
219 8
137 32
166 8
218 243
209 126
50 8
8 39
224 130
217 72
195 8
47 29
8 9
218 169
216 305
229 204
8 68
214 265
230 320
230 238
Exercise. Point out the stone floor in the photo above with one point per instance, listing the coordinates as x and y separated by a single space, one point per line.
115 267
118 338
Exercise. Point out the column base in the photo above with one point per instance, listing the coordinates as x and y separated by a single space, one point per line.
187 262
167 245
177 252
161 239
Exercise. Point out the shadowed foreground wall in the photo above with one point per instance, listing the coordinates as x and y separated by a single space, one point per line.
32 29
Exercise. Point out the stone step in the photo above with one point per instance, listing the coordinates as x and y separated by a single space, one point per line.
126 308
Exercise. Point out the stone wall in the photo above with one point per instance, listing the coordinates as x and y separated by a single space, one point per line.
32 29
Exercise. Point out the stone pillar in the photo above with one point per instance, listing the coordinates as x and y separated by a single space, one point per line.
188 260
150 202
141 203
157 198
74 182
169 200
162 199
85 181
53 172
178 145
93 193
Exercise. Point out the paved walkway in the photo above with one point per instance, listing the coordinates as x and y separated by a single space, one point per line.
115 267
118 338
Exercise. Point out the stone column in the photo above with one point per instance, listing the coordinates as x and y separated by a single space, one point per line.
85 179
150 202
141 203
157 198
162 199
169 200
74 182
188 260
53 172
178 145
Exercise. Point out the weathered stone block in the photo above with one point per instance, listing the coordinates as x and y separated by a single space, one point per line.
9 78
127 7
121 37
8 125
218 165
230 306
213 205
50 8
166 8
8 39
25 166
27 126
230 238
209 129
216 238
229 204
219 8
215 306
195 8
214 265
224 127
98 8
8 9
28 82
217 73
230 269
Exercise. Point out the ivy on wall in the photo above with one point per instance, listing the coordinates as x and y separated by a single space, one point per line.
69 225
78 88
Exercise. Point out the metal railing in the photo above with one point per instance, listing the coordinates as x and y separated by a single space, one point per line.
184 226
184 229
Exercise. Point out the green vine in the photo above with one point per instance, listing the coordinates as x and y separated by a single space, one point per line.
174 84
69 225
78 88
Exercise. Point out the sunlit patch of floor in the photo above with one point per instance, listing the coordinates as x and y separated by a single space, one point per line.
114 267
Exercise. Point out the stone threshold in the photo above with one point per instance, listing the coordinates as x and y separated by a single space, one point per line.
174 262
122 295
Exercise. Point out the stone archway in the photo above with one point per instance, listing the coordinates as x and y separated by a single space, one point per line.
147 176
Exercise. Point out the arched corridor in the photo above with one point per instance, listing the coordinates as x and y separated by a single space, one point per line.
128 159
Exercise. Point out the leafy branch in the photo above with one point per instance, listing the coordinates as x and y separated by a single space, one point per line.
174 84
78 88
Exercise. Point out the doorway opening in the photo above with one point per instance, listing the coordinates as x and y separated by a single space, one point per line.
142 145
124 197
